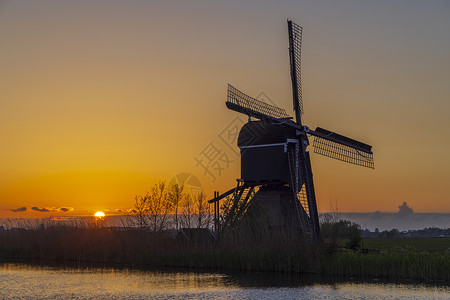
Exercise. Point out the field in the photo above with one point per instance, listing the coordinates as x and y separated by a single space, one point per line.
430 245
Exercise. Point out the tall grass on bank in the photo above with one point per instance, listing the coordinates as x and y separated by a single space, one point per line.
235 250
392 265
239 250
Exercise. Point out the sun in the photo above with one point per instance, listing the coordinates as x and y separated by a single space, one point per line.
99 214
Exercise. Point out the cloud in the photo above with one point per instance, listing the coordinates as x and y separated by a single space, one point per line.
65 209
44 209
20 209
52 209
40 209
119 211
404 209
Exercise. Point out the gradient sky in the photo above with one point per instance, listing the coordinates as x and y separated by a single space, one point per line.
99 100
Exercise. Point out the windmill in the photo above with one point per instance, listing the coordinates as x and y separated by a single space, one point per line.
274 157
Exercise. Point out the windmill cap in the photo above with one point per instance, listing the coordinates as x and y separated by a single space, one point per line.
262 133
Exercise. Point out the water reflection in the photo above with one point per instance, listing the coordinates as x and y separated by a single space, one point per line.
94 282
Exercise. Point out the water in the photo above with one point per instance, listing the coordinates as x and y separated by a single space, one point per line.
18 281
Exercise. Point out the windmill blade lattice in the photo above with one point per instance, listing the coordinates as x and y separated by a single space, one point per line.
342 148
240 102
295 50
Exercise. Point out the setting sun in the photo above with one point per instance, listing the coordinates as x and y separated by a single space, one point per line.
99 214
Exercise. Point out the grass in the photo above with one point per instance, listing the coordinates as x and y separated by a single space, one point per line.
398 258
237 250
392 265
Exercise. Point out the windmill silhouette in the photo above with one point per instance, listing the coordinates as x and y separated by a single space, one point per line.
275 163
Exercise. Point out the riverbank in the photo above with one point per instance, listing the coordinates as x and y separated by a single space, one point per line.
238 252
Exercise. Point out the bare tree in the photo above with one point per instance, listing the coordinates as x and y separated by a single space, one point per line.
203 211
187 209
152 210
141 210
158 207
176 196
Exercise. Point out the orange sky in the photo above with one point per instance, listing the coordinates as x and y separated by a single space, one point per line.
99 100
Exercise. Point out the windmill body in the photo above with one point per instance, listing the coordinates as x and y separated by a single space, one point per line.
274 156
263 148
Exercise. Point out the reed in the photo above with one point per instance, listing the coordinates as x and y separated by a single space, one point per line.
238 249
235 250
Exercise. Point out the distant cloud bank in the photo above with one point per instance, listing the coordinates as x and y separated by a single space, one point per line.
42 209
20 209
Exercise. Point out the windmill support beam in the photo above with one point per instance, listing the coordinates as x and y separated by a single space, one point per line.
220 197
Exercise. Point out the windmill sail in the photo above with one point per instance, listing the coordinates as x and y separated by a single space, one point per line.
295 49
342 148
240 102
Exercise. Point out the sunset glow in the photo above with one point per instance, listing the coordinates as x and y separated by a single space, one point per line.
98 102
